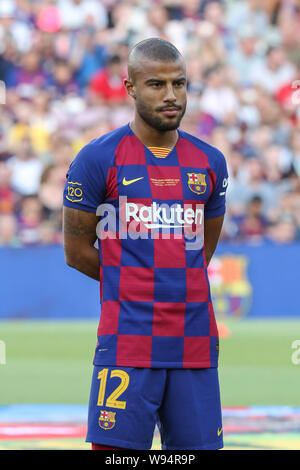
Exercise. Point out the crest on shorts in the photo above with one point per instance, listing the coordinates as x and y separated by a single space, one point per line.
107 419
197 183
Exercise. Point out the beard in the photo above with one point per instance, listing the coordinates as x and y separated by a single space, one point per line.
159 123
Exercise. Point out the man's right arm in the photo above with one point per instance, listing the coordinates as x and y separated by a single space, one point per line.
84 190
79 230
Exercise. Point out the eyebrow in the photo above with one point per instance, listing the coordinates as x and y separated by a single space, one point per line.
159 80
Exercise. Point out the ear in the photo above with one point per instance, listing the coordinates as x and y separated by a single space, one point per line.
129 87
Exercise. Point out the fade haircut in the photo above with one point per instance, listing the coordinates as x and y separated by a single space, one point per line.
154 49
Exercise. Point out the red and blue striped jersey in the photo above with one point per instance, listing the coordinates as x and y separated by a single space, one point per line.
156 306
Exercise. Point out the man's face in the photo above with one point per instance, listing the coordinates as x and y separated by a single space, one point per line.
159 90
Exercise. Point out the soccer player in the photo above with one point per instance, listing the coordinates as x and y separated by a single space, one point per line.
150 194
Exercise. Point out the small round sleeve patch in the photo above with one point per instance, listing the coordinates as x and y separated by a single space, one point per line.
74 191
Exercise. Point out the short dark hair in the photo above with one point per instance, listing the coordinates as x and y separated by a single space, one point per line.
114 59
256 199
156 49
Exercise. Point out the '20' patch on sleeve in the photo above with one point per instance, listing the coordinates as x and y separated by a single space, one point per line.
74 191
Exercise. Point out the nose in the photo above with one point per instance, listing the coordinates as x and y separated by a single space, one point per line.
170 95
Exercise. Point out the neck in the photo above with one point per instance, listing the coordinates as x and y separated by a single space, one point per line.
152 137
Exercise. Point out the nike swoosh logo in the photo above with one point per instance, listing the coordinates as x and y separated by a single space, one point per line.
219 431
126 183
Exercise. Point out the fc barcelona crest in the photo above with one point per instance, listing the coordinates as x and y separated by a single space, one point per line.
107 419
197 183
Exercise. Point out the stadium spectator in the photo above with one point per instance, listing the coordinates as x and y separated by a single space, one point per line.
218 98
275 71
207 44
12 29
51 187
8 231
8 64
214 13
248 12
191 10
62 81
282 231
160 25
87 57
253 224
107 85
295 147
77 13
26 168
7 195
30 71
246 56
29 220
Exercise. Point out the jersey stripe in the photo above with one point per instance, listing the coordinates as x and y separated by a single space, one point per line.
160 152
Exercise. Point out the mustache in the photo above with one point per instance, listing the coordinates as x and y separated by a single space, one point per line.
172 106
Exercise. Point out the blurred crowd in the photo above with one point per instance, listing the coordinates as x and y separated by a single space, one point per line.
62 64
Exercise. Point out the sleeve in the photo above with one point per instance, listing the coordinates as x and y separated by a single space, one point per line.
216 204
86 181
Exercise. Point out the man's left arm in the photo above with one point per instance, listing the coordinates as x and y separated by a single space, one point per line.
212 230
215 207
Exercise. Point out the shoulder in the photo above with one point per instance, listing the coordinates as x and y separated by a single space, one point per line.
213 154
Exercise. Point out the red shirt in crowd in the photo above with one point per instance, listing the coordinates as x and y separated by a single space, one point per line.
109 87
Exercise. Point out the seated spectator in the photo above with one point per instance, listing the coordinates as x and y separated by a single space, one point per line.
159 25
51 188
191 10
30 71
8 64
7 195
282 231
277 161
107 85
29 220
218 98
207 44
253 224
11 28
251 181
295 147
26 169
62 81
42 123
48 233
275 72
77 13
8 231
87 57
29 122
288 98
246 57
248 12
214 13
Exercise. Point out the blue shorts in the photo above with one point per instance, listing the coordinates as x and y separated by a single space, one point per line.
126 403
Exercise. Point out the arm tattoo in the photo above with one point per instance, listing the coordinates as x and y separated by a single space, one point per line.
79 223
79 228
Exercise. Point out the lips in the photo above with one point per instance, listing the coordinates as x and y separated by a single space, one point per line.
170 111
